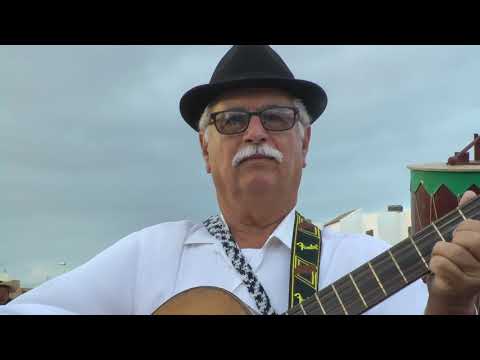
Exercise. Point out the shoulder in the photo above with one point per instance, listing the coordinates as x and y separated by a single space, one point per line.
164 243
163 234
342 253
179 229
352 245
157 243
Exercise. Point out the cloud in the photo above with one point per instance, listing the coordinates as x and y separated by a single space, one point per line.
92 145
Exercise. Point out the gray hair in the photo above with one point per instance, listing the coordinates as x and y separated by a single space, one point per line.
304 117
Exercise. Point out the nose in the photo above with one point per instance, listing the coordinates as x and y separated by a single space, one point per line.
255 132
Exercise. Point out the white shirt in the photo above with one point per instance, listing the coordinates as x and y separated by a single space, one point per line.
143 270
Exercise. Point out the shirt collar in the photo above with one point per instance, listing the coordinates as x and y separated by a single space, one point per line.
283 232
199 235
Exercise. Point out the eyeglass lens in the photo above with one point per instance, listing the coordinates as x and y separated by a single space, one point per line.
275 119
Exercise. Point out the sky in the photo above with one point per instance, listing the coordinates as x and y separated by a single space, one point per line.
93 147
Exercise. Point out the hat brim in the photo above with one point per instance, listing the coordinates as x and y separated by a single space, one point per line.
194 102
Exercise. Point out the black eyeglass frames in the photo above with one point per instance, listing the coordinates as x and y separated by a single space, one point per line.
232 122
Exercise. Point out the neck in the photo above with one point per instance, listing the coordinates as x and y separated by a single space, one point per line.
252 222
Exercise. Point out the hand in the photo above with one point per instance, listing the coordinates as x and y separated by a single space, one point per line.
455 284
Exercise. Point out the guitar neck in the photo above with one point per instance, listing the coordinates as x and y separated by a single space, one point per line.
388 273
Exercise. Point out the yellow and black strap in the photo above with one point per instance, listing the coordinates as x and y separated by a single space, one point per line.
305 261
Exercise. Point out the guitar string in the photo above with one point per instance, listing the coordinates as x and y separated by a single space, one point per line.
352 299
347 300
363 274
426 236
379 266
452 217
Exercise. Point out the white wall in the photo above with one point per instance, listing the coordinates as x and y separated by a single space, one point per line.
391 227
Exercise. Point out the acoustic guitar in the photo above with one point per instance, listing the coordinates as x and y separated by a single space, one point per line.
354 293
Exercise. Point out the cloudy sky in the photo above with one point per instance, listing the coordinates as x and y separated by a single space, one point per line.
92 145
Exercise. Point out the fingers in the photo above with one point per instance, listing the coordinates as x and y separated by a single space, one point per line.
427 279
467 196
467 235
456 266
447 274
458 255
469 225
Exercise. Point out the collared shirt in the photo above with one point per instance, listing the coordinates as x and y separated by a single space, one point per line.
145 269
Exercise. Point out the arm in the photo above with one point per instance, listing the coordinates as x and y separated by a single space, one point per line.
104 285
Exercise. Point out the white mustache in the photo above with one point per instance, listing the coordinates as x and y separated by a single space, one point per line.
251 150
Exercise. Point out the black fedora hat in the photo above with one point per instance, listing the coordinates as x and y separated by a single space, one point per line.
251 66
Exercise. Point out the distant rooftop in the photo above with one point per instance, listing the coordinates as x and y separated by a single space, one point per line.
339 218
395 208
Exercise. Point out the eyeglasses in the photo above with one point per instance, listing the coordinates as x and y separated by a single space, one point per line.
232 122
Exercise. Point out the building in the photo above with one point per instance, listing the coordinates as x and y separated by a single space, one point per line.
4 277
392 225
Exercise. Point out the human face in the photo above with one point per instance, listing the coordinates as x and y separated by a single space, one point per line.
255 175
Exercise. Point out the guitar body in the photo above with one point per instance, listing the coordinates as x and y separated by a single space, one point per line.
204 300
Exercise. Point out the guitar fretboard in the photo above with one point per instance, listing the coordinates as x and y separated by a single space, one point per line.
389 272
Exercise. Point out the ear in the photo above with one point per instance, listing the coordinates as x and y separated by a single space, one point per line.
204 147
306 144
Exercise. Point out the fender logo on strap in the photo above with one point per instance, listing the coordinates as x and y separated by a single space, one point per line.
299 297
309 247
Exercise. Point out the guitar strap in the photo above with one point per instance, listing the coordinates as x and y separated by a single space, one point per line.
305 260
218 229
304 264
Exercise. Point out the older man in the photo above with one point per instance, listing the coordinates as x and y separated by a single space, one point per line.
253 120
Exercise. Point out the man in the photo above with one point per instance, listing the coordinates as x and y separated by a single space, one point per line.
253 120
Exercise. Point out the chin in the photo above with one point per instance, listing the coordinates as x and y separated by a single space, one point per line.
259 184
